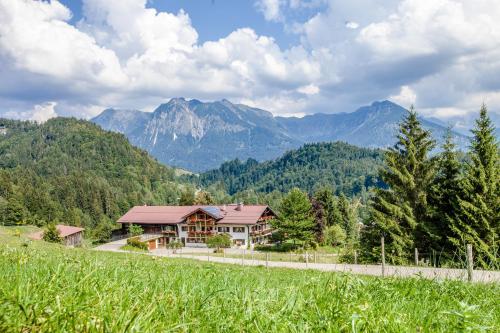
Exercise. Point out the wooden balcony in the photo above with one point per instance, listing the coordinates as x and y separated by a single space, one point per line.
261 232
199 233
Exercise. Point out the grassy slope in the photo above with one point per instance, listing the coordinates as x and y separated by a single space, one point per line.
49 288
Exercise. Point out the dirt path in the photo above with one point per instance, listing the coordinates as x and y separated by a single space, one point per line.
375 270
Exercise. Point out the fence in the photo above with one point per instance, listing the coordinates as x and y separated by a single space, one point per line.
427 265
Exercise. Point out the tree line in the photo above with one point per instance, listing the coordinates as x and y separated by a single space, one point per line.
345 168
72 172
436 203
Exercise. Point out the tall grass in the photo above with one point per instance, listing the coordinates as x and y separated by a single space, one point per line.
47 288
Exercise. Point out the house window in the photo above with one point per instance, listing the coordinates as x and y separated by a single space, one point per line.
239 242
223 229
184 228
238 229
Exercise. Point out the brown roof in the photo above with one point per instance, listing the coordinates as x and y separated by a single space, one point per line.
64 231
177 214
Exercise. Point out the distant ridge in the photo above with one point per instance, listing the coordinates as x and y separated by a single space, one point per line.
199 136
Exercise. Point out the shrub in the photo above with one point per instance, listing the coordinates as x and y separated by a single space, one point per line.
174 245
135 230
135 242
335 235
219 241
51 234
283 247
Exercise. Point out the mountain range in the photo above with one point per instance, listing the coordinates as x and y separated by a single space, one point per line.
200 136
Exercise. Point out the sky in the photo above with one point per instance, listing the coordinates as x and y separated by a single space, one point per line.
290 57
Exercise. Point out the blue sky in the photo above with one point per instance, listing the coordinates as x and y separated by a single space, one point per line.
214 19
291 57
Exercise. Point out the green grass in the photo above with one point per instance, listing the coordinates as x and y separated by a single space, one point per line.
132 249
321 258
49 288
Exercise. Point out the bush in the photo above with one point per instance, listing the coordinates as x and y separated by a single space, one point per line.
335 235
135 230
135 242
283 247
51 234
174 245
219 241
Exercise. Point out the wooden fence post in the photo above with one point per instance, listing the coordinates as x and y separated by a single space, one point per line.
291 259
243 257
208 254
307 258
355 257
315 253
383 255
267 259
416 257
470 262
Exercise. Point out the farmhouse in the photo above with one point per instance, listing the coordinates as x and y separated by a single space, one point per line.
72 236
192 225
3 130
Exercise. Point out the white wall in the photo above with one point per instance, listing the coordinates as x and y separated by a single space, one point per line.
234 235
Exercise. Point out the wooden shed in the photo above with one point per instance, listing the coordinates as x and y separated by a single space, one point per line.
72 236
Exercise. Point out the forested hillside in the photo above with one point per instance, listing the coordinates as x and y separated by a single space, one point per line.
74 172
345 168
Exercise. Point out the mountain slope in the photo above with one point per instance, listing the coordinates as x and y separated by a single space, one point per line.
373 126
200 136
344 167
73 171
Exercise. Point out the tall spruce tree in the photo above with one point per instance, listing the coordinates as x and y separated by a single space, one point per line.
296 220
327 200
319 218
479 205
444 194
349 220
401 212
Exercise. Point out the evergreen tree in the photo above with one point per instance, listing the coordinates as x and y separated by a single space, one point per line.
401 212
296 219
479 205
319 218
204 198
14 213
51 234
187 197
444 194
325 197
349 220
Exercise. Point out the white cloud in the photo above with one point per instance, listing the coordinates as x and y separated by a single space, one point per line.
272 8
440 55
36 37
122 53
405 98
351 25
310 89
40 113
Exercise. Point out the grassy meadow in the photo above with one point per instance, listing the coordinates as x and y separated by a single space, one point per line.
49 288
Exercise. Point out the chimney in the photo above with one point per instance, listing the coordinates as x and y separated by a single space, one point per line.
239 206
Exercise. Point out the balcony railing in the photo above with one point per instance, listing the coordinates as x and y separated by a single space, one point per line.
199 233
261 232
